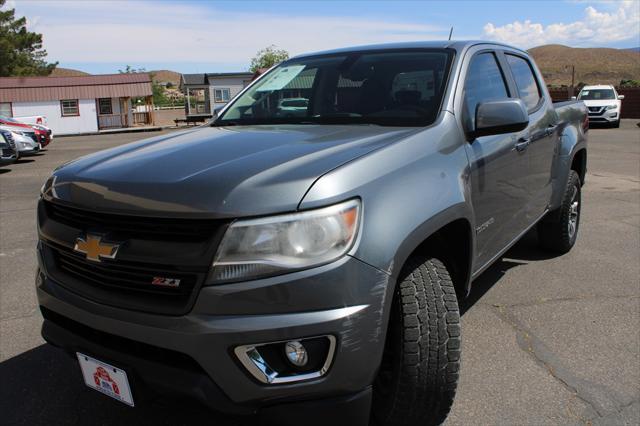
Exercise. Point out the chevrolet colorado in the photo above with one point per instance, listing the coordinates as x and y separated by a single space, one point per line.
308 267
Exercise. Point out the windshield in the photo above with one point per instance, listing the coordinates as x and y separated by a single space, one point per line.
596 94
392 88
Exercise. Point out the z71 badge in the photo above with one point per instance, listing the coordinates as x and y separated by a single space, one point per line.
166 282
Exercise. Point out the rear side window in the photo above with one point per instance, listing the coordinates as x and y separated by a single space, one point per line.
485 82
528 89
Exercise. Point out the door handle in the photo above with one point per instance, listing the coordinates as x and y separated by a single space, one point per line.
551 129
522 144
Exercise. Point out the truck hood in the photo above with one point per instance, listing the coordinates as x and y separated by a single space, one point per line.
215 171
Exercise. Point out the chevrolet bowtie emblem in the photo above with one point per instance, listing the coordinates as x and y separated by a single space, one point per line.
95 249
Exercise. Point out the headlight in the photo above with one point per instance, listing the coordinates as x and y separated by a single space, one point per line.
610 107
275 245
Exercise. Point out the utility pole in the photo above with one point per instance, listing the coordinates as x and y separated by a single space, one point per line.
573 79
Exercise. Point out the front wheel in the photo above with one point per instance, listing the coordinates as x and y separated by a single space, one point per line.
616 124
559 235
418 376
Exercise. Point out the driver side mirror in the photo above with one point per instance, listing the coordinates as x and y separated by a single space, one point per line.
573 98
498 117
620 97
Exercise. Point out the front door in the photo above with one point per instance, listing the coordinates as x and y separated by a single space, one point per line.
499 171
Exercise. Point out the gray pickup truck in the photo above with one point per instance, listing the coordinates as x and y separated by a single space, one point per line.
308 267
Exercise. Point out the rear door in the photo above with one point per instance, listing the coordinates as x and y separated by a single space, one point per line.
499 171
542 137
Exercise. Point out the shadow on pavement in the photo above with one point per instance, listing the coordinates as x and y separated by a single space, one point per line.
526 250
44 386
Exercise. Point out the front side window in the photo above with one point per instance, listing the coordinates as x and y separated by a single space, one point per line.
389 88
5 109
484 83
596 94
221 95
70 108
528 88
105 106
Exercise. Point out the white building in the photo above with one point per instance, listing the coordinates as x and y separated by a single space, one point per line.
206 92
84 104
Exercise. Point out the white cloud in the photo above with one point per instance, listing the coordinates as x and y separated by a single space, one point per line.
595 28
140 32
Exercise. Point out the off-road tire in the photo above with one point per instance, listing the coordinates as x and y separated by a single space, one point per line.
554 232
419 373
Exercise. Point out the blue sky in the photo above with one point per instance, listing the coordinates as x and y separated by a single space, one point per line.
216 36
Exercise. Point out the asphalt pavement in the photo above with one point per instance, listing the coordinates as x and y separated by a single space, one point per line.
546 340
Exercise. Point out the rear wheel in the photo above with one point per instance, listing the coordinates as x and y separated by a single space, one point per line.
418 376
560 231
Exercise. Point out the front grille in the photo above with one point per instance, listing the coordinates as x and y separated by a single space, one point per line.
132 226
153 251
111 274
122 284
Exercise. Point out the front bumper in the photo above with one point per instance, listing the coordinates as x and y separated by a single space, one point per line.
28 149
344 299
600 115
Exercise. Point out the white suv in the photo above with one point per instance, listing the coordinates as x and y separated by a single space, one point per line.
604 104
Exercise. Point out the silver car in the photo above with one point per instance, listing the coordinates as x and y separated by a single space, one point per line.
25 139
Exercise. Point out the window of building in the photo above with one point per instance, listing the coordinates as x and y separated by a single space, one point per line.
221 95
528 88
104 106
69 108
5 109
485 82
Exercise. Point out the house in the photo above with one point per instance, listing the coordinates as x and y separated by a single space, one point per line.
206 92
82 104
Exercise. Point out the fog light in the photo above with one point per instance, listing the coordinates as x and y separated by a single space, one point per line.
296 353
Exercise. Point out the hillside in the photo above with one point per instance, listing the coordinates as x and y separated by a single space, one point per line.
166 76
593 65
67 72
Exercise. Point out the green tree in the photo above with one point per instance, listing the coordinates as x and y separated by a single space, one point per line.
130 70
268 57
21 51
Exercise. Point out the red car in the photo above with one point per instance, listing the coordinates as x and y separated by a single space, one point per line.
43 133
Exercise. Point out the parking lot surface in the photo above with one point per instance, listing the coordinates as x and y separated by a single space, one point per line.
546 340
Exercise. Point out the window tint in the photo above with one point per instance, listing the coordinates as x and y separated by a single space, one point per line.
528 89
484 83
395 88
596 94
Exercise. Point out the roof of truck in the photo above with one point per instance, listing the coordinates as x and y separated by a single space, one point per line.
458 45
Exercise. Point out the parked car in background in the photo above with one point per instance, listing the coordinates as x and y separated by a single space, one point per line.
309 267
25 138
604 104
44 134
8 151
33 119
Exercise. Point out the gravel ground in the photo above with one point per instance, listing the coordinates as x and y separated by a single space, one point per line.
546 340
